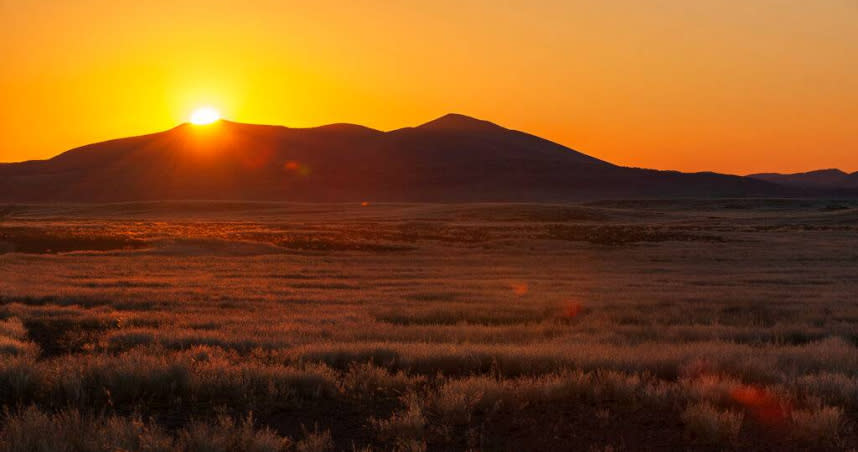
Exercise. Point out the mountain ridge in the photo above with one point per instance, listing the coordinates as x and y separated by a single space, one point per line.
453 158
830 178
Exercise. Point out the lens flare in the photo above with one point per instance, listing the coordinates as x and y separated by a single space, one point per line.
519 288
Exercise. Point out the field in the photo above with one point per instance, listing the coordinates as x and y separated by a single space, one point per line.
612 326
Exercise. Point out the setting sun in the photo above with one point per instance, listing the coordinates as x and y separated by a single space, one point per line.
205 115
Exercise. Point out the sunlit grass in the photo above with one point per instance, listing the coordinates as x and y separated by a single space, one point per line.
425 335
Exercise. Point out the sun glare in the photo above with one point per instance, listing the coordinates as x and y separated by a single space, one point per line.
205 115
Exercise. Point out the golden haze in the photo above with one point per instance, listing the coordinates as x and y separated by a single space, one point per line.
723 85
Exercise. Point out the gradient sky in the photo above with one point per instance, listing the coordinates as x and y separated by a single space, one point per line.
735 86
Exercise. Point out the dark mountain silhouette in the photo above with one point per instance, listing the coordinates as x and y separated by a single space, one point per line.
828 179
453 158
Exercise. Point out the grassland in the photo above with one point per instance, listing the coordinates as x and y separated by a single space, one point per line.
664 325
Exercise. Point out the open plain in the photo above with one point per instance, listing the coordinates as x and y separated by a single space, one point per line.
609 326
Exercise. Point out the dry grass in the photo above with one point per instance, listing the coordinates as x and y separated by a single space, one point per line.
423 327
817 426
32 430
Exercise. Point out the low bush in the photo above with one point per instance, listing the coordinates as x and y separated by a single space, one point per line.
709 425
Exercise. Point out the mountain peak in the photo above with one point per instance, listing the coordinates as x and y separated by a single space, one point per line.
459 122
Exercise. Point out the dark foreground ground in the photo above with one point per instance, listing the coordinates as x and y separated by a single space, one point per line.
669 325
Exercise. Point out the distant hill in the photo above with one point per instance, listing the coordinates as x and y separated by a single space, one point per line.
829 179
453 158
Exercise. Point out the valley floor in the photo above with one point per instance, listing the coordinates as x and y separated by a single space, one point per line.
613 326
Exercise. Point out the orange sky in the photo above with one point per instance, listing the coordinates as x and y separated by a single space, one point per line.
734 86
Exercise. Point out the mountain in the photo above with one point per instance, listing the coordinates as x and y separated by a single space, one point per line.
828 179
453 158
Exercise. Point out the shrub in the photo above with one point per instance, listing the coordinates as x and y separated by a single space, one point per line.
15 347
834 388
817 425
365 380
315 441
405 428
12 327
125 340
252 382
19 380
33 430
13 339
710 425
455 401
227 435
122 380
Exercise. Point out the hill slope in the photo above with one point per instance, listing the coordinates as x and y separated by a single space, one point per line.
453 158
829 179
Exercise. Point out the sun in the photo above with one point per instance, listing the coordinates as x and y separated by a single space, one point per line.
204 115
